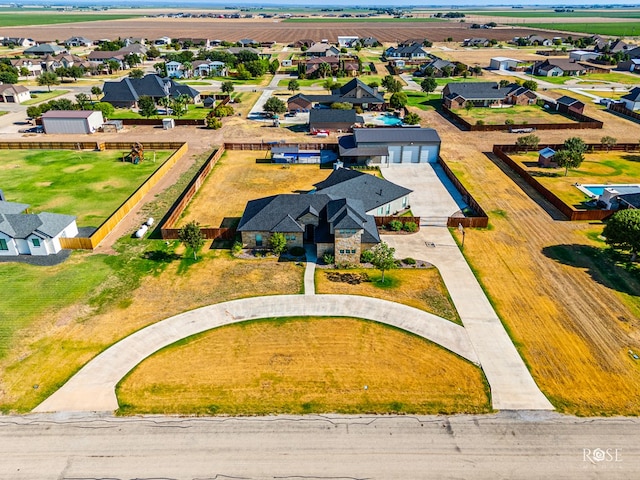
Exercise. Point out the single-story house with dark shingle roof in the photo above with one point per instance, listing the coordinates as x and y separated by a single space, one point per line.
128 91
336 217
390 146
30 234
413 51
333 119
485 94
355 92
566 104
299 103
559 67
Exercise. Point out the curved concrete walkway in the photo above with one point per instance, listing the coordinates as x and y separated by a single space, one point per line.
93 387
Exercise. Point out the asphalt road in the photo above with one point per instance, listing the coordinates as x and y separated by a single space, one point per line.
526 445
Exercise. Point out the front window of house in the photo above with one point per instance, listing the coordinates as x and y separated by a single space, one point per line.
36 242
3 244
258 240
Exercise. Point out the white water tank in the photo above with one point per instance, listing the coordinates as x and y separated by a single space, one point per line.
141 231
149 221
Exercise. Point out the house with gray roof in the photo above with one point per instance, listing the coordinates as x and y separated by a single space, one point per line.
485 94
45 49
390 146
333 119
567 104
128 91
32 234
336 217
355 92
413 51
632 99
559 67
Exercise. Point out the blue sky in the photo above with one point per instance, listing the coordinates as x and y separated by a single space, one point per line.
327 3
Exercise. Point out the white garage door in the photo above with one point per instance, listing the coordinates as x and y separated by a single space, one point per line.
411 154
395 154
429 155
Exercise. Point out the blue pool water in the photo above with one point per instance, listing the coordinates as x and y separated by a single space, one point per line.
597 190
390 120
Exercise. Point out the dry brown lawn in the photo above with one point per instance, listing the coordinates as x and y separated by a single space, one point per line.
420 288
572 321
310 365
237 178
50 350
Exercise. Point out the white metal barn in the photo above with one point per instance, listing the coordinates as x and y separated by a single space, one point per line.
503 63
72 121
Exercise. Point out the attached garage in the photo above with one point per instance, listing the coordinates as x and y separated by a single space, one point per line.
72 121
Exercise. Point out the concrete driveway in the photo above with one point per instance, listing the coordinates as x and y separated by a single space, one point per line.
512 386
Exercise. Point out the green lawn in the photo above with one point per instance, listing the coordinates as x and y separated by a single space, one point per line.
626 13
363 20
519 114
39 96
597 168
423 101
42 17
594 77
88 184
194 112
618 29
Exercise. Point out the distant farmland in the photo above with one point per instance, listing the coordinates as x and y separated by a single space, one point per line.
19 19
619 29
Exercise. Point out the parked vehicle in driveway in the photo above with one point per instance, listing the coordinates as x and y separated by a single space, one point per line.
36 129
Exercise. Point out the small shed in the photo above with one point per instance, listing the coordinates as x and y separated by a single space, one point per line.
545 157
209 102
72 121
112 126
504 63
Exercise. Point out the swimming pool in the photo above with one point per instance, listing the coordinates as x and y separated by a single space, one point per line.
389 119
594 191
386 119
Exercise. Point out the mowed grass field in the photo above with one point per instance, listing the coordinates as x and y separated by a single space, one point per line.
419 288
90 185
237 178
614 29
597 168
21 18
304 365
519 115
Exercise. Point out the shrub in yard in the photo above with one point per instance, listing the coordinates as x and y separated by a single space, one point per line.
410 227
409 261
366 256
395 225
328 258
509 121
480 122
236 248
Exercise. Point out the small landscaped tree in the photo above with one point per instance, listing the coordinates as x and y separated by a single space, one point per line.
82 99
608 142
503 83
275 105
428 85
528 141
105 107
136 73
192 237
278 243
412 118
97 91
48 79
147 106
530 84
227 87
571 155
623 231
383 258
293 85
398 100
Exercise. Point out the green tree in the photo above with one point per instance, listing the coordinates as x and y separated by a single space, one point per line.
166 103
147 106
48 79
383 258
330 85
608 141
152 53
530 84
504 83
275 105
33 111
97 91
622 231
274 66
227 87
278 243
82 99
293 85
213 121
412 118
113 65
324 69
192 237
136 73
398 100
160 68
528 141
105 107
428 85
567 159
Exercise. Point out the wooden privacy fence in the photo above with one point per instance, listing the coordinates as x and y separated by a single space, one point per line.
622 110
91 242
167 228
582 122
480 219
268 145
568 211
